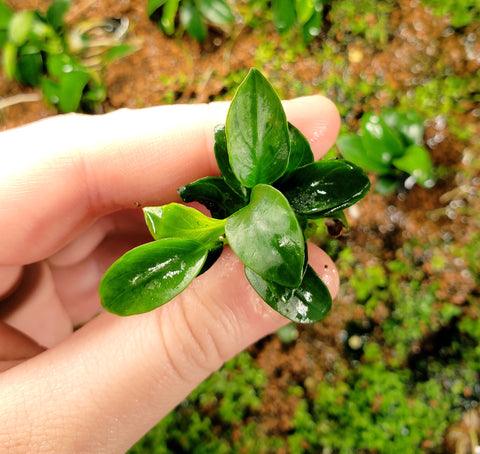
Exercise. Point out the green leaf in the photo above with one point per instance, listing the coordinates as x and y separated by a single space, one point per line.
313 27
379 141
153 5
56 13
409 124
416 162
305 10
386 184
308 303
215 194
266 237
283 14
150 275
29 69
257 132
191 19
301 152
71 90
221 155
19 27
9 59
351 148
321 188
216 11
167 21
118 52
178 221
6 14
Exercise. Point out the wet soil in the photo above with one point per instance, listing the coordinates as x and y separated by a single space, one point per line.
184 71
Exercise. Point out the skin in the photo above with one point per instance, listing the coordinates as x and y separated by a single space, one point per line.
71 188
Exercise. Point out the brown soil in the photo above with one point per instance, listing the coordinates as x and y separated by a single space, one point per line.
194 72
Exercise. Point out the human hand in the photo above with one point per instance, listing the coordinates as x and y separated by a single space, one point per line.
70 191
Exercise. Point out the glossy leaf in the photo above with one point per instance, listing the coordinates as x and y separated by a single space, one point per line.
191 19
379 140
266 237
150 275
216 11
178 221
416 161
257 133
221 155
301 152
324 187
215 194
308 303
352 149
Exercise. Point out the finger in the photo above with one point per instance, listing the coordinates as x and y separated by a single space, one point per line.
67 171
9 279
117 377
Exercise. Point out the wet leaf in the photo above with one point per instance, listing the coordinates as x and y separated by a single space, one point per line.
308 303
151 275
324 187
266 237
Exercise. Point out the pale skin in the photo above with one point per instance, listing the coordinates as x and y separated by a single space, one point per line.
70 188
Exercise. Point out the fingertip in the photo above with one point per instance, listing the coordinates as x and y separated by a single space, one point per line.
318 119
325 268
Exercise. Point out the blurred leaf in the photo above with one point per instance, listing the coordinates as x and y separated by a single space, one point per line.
29 66
71 89
409 124
379 141
118 52
56 13
6 13
351 148
283 14
191 19
9 59
19 27
167 20
216 11
153 5
416 162
305 10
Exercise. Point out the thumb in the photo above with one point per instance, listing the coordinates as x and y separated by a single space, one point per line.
116 377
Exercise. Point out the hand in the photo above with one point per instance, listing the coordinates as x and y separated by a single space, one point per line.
70 191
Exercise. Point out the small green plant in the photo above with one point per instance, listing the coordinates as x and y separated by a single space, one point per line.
38 52
391 146
261 205
306 14
194 15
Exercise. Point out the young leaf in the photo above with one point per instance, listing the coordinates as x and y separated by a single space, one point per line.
324 187
283 14
151 275
409 124
216 11
19 27
257 132
153 5
215 194
221 155
29 66
178 221
71 89
167 21
56 13
308 303
266 237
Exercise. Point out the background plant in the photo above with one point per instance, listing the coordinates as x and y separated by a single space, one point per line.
40 51
391 146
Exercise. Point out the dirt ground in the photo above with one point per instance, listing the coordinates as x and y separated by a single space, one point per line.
195 72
